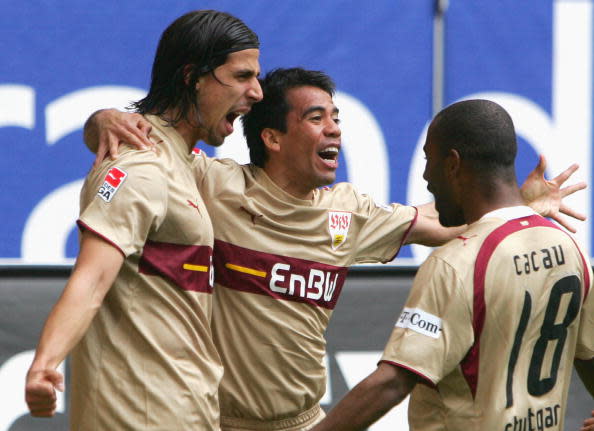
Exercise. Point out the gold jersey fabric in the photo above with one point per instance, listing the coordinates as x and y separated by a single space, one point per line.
148 361
493 322
280 264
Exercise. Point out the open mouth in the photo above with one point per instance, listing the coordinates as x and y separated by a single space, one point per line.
330 156
232 116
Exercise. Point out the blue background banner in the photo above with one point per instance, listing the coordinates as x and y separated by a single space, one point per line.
62 61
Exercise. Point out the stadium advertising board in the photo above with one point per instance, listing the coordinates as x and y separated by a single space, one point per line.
60 63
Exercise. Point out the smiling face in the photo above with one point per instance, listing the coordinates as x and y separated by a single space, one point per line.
307 154
231 94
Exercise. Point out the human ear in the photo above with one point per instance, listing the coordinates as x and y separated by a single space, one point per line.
452 164
271 139
188 69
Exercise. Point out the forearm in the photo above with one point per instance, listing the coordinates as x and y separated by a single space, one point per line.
585 370
97 265
67 322
369 400
360 408
91 132
437 237
428 230
107 128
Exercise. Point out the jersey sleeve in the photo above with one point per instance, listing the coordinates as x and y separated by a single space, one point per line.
385 230
585 342
125 200
434 330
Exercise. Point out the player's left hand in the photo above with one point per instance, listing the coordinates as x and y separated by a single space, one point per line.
588 424
106 129
546 196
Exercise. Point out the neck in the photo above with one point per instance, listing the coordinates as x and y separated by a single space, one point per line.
290 185
189 133
478 201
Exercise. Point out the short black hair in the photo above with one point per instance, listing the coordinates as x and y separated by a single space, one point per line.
194 44
480 131
271 112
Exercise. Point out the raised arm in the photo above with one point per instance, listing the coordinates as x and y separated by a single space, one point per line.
96 268
106 129
546 197
428 231
383 389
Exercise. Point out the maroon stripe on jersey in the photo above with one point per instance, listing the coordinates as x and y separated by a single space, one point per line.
83 226
405 236
470 364
280 277
187 266
425 380
584 261
586 273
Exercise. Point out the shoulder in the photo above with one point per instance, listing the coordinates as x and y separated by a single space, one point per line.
343 195
339 189
440 277
203 162
139 171
460 252
139 161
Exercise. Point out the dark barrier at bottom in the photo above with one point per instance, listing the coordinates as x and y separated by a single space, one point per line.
362 321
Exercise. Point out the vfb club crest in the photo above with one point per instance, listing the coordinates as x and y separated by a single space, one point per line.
338 225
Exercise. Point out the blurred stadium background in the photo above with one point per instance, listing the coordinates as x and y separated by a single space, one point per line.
395 63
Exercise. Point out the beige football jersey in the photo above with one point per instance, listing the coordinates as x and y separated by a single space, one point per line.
148 361
280 264
492 324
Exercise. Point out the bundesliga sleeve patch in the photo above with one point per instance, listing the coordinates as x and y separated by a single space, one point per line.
112 182
420 321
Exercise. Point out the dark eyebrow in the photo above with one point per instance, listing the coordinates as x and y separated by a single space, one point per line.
246 72
317 108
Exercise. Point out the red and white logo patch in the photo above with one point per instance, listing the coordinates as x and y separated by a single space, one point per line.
112 182
338 225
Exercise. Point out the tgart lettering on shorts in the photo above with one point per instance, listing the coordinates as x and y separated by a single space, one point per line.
112 182
540 420
420 321
316 284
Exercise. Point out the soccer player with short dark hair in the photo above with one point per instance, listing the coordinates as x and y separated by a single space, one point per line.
496 317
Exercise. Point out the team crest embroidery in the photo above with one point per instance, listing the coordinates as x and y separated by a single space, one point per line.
338 224
112 182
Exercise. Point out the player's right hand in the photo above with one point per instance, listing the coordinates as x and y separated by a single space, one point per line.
40 391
